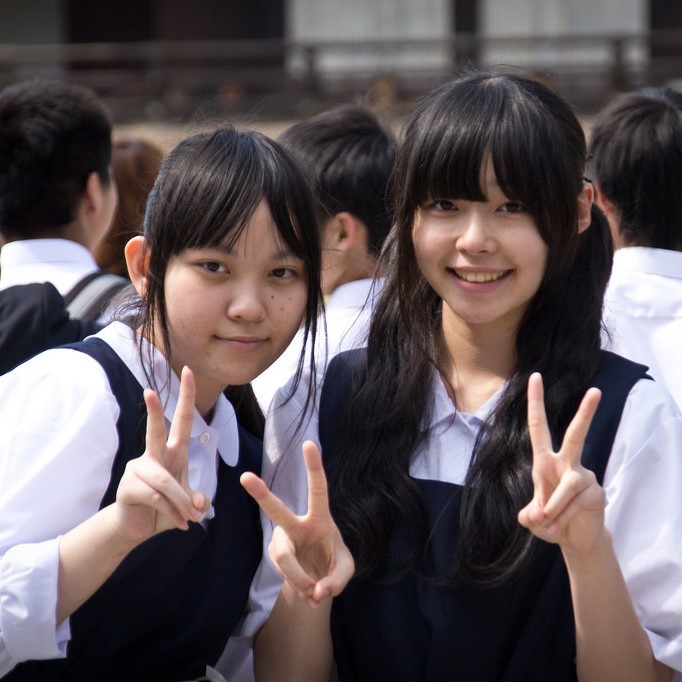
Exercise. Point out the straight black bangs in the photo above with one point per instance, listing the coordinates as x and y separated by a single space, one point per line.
212 183
451 137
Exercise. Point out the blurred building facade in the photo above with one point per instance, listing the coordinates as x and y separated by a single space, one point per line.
165 58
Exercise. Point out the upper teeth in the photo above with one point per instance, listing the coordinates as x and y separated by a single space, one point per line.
479 276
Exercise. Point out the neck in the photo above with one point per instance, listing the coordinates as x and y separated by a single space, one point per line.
475 361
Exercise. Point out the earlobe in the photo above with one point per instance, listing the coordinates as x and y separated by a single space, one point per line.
603 202
585 200
137 259
352 233
93 193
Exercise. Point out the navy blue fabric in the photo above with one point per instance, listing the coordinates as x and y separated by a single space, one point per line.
33 318
419 628
171 605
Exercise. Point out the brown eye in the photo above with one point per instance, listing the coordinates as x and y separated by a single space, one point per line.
213 266
513 207
283 273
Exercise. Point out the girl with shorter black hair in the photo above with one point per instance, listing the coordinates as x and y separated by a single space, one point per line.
127 553
501 521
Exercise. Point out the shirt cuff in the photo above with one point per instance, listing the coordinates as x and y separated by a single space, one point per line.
28 602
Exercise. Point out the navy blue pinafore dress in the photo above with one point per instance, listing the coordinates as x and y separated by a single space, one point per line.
419 629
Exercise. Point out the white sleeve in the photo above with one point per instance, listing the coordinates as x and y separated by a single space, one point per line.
57 443
284 473
643 484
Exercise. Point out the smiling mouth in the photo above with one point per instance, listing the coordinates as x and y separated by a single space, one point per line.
480 276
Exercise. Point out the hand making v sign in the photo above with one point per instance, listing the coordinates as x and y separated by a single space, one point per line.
568 503
307 550
154 493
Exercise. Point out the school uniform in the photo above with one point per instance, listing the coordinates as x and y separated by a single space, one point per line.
414 629
169 608
643 312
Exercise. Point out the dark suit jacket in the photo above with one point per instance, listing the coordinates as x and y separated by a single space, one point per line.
33 318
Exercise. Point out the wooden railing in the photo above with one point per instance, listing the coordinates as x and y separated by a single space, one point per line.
160 79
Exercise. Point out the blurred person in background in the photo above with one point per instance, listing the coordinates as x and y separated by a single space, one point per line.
349 155
135 163
636 143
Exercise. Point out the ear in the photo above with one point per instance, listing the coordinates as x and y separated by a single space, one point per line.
604 203
93 194
137 259
349 233
585 200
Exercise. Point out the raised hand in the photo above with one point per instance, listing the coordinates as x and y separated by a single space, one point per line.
154 493
568 504
307 550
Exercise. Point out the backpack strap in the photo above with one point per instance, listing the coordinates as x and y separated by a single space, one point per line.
90 295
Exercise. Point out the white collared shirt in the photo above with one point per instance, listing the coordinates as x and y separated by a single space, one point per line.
58 440
347 315
643 312
61 262
642 482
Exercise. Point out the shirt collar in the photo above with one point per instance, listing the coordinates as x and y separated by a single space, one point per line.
662 262
444 412
34 260
354 294
35 251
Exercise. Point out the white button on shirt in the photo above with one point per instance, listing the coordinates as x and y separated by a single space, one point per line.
58 440
642 482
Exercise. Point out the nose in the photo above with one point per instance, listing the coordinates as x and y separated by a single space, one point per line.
475 236
246 305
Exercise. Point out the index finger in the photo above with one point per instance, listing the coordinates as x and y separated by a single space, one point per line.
155 436
276 510
540 437
318 498
183 417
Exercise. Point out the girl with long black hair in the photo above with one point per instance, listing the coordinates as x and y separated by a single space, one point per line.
503 522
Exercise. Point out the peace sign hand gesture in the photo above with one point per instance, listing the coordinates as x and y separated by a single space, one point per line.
568 503
307 550
154 493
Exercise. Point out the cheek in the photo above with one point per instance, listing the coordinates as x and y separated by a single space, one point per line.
428 252
290 309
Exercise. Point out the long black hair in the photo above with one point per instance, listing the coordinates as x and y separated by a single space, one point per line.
205 194
537 148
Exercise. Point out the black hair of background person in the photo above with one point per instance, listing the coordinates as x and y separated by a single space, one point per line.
636 145
53 135
350 155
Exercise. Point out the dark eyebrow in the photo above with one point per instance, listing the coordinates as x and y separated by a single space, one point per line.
282 254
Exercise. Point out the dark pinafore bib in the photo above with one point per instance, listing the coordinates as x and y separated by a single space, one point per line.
170 607
417 629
